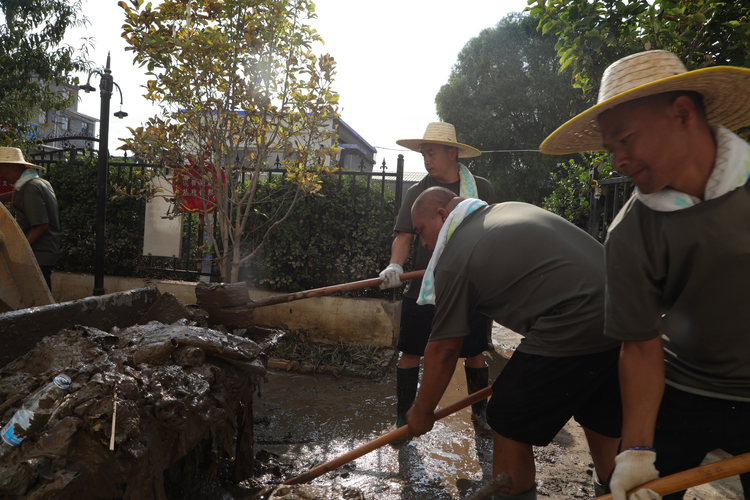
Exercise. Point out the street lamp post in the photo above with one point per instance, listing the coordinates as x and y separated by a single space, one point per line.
106 85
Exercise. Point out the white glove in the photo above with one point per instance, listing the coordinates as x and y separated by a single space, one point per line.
633 468
391 276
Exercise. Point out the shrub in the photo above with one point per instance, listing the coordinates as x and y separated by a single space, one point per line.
75 185
334 236
571 195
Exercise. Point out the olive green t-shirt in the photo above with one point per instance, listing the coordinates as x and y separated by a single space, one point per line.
404 224
35 203
686 275
529 270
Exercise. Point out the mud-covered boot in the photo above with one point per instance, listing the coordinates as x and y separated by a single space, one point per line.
476 380
406 392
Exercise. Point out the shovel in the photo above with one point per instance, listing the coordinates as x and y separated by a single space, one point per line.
328 290
228 303
693 477
380 441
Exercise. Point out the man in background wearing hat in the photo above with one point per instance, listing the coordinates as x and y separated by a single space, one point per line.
441 152
541 276
677 259
35 206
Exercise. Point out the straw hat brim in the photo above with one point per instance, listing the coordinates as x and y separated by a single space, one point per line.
24 163
725 96
464 151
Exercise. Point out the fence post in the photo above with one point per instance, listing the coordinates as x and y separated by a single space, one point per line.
399 182
397 203
593 226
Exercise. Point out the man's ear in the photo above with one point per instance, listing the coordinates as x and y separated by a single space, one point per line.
454 154
684 109
442 213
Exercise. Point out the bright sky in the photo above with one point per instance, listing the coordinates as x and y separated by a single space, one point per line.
392 58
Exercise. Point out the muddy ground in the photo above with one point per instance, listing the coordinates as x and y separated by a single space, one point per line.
303 421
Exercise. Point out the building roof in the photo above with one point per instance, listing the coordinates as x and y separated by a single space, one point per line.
348 127
414 176
80 116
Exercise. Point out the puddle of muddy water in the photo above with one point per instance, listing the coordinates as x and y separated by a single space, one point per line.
308 420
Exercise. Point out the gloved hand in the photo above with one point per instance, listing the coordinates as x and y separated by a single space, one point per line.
633 468
391 276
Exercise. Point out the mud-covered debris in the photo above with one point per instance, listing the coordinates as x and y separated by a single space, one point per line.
178 389
167 309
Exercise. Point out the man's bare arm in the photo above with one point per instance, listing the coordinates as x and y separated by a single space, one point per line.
36 232
400 247
642 386
440 359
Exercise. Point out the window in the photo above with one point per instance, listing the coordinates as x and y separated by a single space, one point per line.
85 128
64 123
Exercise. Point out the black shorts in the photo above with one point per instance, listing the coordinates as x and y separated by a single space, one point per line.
416 326
689 426
535 396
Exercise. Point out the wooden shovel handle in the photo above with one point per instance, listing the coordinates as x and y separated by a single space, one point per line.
385 439
328 290
693 477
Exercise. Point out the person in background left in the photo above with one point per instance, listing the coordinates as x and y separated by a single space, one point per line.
35 205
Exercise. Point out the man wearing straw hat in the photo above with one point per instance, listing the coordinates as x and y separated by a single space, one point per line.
441 152
35 205
678 259
543 277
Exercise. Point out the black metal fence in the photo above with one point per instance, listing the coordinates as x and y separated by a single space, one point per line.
131 176
605 201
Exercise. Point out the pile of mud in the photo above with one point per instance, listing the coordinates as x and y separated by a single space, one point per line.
184 403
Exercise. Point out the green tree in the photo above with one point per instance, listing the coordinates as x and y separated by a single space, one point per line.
594 34
32 59
235 80
505 93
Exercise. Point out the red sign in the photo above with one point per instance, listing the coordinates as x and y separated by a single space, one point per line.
194 187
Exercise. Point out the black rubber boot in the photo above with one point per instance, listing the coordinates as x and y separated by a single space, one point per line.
406 392
476 380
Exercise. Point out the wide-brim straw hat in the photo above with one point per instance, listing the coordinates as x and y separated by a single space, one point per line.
14 155
725 90
440 133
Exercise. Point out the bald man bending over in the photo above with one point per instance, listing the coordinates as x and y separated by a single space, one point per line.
541 277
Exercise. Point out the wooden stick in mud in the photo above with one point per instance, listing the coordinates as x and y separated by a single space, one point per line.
328 290
114 417
693 477
385 439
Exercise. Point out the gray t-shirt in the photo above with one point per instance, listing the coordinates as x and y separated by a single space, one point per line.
686 275
404 224
36 204
529 270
